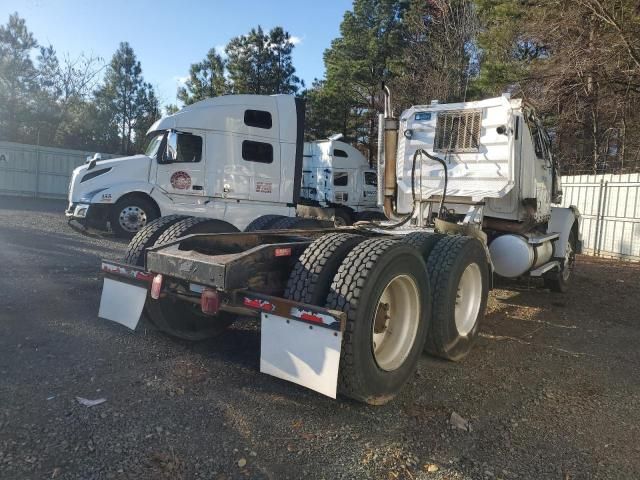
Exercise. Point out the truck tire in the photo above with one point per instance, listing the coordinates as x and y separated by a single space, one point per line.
342 218
263 222
182 319
298 223
380 276
423 241
131 214
312 274
459 276
559 281
370 216
147 237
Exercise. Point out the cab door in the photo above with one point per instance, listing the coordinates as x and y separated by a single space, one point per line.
343 186
181 167
369 188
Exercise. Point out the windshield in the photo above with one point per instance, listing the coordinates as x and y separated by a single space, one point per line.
154 144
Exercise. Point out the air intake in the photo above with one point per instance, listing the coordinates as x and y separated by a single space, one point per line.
458 131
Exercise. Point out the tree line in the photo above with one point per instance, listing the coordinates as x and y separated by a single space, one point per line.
84 103
576 61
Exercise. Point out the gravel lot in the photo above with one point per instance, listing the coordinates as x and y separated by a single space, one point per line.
552 389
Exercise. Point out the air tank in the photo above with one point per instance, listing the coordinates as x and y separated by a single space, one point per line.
514 255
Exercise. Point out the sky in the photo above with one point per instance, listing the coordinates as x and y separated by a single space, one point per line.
168 37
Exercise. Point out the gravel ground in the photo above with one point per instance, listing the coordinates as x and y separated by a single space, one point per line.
551 390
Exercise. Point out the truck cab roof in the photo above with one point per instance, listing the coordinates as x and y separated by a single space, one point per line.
269 116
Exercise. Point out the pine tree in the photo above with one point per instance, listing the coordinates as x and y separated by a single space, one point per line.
261 63
17 78
122 94
206 80
365 55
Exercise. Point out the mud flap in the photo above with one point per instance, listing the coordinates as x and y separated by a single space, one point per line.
122 302
308 355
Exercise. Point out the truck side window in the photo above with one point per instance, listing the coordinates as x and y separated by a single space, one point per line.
189 148
371 179
257 118
339 153
257 151
340 179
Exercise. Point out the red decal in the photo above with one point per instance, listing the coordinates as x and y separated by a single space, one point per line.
181 180
283 252
258 304
309 317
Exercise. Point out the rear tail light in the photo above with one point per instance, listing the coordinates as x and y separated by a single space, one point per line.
156 286
210 301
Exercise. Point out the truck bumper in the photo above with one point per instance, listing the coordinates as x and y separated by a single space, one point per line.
299 343
77 211
88 215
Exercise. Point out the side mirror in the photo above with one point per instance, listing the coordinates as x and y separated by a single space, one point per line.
93 160
502 130
96 157
171 153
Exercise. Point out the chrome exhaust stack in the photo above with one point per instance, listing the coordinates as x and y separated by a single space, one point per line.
390 125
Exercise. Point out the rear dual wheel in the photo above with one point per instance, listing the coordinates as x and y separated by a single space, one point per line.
382 286
174 317
459 275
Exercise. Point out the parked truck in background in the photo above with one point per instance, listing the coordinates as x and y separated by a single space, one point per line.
233 158
469 190
337 176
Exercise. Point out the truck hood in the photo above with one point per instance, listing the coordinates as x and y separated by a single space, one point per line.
106 174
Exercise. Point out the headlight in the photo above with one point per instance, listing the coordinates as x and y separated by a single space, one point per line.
81 211
86 197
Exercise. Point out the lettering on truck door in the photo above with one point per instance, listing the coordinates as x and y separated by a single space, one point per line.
369 189
181 172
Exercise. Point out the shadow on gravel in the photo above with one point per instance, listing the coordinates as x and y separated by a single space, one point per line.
55 243
29 204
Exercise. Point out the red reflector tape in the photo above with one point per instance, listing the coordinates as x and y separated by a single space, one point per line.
156 287
283 252
127 272
309 317
258 304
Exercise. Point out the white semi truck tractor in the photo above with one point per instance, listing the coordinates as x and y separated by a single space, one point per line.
235 158
469 191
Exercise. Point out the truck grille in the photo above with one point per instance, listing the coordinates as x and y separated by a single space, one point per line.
458 131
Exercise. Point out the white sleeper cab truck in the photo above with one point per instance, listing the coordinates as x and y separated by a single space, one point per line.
336 175
235 158
469 191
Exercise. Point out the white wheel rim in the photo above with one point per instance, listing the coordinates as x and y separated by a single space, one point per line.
395 322
132 218
468 299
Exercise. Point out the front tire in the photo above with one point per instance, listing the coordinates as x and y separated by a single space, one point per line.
559 281
131 214
342 218
383 288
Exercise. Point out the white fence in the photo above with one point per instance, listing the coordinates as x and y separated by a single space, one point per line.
33 171
610 208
